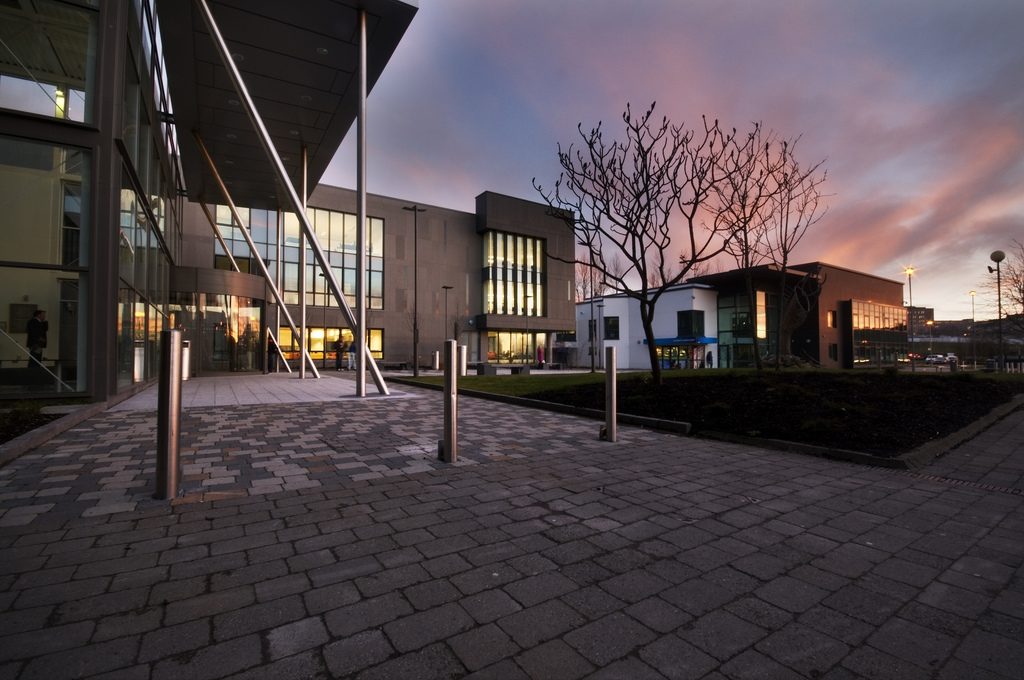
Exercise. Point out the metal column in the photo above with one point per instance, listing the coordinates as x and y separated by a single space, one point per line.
611 400
361 214
286 183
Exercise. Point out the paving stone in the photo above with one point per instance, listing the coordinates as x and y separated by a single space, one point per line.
24 645
210 662
554 659
175 640
483 646
296 637
993 653
436 662
83 661
752 665
791 594
697 596
803 649
539 623
258 617
355 653
423 628
209 605
592 602
609 638
677 659
489 605
869 662
912 642
365 614
658 615
536 589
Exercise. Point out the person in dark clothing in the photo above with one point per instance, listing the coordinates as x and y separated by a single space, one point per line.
339 352
36 330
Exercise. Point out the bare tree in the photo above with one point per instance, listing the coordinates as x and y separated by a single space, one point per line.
1013 287
626 198
745 201
797 206
770 201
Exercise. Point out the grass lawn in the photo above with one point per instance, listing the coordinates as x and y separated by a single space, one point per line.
882 413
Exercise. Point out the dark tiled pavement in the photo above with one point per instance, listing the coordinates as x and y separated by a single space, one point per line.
322 539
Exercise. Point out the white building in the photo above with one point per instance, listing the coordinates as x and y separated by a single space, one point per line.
685 329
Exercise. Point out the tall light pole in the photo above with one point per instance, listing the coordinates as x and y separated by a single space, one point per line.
997 257
530 355
445 326
974 350
416 210
909 271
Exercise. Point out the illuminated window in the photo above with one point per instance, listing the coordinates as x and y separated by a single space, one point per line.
513 277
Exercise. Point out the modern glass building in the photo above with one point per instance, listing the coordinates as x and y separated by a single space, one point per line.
122 122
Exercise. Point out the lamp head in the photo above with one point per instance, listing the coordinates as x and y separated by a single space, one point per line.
991 271
997 256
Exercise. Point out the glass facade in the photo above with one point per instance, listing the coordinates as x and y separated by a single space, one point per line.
513 278
52 73
511 347
879 334
336 232
737 325
45 190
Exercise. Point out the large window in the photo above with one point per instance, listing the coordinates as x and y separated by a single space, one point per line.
44 189
336 232
611 328
514 277
48 67
690 323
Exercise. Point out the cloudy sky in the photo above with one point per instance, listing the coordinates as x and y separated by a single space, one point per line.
916 106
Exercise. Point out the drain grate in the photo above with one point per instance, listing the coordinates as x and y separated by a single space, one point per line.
969 484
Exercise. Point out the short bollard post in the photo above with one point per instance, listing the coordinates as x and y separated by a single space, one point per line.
436 363
611 403
448 447
168 424
462 360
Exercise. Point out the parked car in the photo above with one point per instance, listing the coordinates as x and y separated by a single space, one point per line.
935 359
951 358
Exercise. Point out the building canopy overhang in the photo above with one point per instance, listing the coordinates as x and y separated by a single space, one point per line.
681 341
300 63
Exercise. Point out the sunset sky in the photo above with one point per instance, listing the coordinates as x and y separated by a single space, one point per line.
917 108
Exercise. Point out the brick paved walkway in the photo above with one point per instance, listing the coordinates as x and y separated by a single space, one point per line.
322 539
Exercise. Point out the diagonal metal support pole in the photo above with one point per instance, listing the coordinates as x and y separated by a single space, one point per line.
234 265
252 246
286 183
220 236
277 346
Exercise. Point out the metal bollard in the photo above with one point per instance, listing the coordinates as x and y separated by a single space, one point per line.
462 360
611 402
448 447
436 363
168 427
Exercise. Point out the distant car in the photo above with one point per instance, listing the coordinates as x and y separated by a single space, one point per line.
951 358
935 359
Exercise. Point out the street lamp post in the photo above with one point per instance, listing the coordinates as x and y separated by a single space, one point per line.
997 257
445 327
909 271
530 355
931 336
416 210
974 349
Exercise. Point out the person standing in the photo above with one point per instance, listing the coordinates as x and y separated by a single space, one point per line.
36 330
339 352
